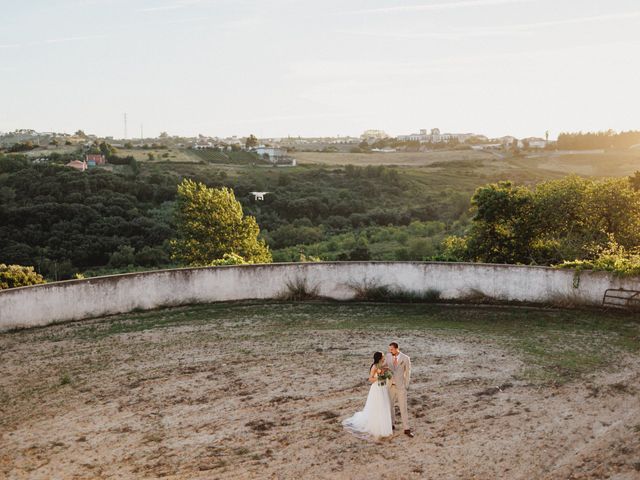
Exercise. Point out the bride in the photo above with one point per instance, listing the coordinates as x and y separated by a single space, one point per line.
375 419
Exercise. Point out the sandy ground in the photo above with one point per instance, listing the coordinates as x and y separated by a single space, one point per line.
229 400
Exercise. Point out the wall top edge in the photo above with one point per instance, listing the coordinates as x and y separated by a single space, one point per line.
298 264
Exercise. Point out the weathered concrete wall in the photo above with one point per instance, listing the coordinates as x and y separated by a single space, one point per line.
79 299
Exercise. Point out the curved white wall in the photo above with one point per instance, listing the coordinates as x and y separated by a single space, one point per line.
94 297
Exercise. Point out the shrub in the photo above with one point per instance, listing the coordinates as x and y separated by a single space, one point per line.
455 249
298 290
229 259
12 276
124 256
613 258
383 293
151 257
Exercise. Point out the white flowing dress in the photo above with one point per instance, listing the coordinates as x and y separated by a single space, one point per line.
375 419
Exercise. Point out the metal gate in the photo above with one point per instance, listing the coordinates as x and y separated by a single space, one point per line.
621 298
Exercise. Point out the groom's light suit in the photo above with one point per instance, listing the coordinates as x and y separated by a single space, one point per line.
398 388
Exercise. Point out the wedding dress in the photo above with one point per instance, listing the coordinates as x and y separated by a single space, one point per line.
375 419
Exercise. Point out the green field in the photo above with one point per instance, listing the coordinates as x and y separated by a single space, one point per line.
395 158
159 154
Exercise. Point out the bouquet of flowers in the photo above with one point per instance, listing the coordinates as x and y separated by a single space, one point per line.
384 374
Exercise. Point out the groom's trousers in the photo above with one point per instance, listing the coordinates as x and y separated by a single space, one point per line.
399 395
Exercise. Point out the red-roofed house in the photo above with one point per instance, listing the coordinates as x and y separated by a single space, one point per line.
95 159
78 165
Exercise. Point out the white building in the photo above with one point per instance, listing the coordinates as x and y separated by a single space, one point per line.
435 136
507 140
373 135
535 142
274 155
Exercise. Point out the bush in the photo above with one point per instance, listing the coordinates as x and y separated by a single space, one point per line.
613 258
372 292
229 259
455 249
299 290
22 147
124 256
12 276
151 257
12 163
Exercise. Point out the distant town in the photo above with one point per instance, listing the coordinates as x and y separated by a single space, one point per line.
83 150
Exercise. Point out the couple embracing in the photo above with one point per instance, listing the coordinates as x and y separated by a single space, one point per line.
389 376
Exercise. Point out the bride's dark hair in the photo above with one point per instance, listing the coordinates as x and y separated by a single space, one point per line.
376 358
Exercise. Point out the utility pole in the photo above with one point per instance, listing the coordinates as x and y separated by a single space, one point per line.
141 133
125 125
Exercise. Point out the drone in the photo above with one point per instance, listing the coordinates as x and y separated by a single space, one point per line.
259 195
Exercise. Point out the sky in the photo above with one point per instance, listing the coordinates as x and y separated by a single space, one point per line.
319 68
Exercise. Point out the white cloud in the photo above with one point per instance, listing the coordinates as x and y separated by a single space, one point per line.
507 30
158 9
440 6
173 6
72 39
389 71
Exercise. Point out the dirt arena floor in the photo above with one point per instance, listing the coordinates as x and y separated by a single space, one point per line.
259 391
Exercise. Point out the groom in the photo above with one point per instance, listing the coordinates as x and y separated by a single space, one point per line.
400 366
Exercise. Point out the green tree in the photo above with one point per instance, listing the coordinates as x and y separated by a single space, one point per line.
560 220
122 257
454 249
210 223
107 149
504 224
361 251
577 214
251 141
634 180
364 146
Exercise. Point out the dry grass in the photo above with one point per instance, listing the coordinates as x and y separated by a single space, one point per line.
173 154
606 164
398 158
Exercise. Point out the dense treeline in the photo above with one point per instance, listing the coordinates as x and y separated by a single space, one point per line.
560 220
416 241
316 205
63 222
598 140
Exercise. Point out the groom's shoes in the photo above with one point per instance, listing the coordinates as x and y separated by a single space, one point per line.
408 433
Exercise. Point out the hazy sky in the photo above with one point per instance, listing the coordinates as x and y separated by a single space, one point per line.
296 67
